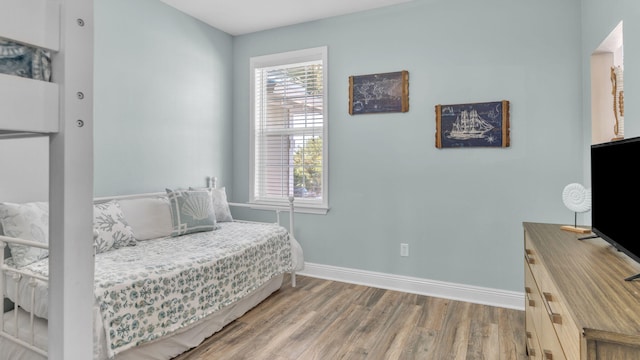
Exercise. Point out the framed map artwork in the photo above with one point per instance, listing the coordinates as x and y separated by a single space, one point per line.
379 93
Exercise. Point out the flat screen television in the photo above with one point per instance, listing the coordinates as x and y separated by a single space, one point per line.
615 191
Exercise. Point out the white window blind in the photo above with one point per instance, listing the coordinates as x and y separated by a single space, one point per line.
289 137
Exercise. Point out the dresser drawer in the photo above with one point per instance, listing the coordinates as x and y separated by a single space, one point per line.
532 315
533 346
533 302
550 343
606 350
552 306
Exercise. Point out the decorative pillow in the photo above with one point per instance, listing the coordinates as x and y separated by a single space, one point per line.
28 221
113 230
220 203
191 211
150 218
25 61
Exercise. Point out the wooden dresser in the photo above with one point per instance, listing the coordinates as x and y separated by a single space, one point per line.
577 304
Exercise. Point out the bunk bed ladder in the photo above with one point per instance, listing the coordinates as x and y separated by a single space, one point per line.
62 111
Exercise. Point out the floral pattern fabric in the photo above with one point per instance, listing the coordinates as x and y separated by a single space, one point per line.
25 61
113 231
28 221
159 286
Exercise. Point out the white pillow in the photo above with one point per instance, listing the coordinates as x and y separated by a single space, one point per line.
220 203
150 218
28 221
113 230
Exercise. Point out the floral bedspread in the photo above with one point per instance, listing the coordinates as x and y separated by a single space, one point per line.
159 286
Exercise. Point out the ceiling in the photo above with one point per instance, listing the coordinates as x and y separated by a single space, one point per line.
237 17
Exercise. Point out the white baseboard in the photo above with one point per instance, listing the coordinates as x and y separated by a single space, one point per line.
461 292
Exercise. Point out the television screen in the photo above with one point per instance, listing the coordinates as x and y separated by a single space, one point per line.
614 193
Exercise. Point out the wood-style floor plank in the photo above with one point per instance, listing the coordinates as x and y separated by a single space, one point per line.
321 319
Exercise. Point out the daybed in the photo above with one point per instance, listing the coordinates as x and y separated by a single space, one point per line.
161 284
170 270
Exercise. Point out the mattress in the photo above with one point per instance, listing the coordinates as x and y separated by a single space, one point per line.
160 286
163 349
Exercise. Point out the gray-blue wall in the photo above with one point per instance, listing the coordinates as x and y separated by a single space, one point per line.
599 18
162 99
172 107
460 210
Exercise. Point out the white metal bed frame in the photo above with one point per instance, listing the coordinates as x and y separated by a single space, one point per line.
212 184
62 111
28 340
17 275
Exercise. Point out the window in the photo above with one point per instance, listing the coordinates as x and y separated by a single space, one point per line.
289 129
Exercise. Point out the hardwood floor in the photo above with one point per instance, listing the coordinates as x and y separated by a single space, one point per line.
322 319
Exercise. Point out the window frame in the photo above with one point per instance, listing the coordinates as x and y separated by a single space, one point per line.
291 57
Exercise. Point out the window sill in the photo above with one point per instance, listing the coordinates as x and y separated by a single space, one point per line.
284 206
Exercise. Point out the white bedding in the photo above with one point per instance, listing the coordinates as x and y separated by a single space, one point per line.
177 281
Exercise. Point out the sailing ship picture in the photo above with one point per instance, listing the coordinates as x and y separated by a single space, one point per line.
473 125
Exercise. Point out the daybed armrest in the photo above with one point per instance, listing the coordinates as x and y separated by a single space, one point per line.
6 239
277 210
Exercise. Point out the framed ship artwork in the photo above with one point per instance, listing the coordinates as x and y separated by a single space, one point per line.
473 125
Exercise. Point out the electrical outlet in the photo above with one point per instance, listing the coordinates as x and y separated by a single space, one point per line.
404 249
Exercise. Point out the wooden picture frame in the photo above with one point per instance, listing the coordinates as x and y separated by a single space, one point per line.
379 93
473 125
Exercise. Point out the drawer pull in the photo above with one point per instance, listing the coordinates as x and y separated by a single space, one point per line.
530 301
530 351
548 355
529 259
555 317
527 256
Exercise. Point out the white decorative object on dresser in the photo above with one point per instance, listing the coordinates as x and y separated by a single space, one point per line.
576 198
578 305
